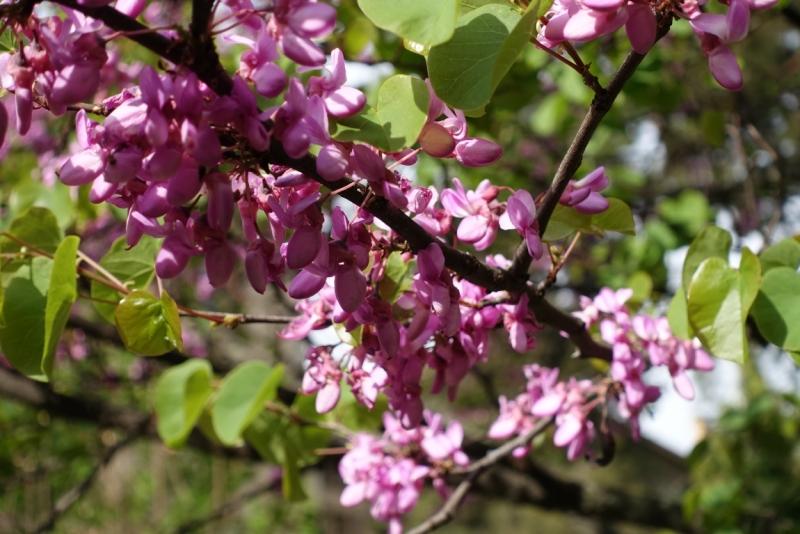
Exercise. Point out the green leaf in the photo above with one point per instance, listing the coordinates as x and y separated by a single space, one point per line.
689 211
710 242
7 41
148 326
786 253
551 115
396 122
678 316
617 218
398 277
467 6
353 337
2 298
61 294
777 308
716 311
749 280
181 394
291 484
242 396
22 340
466 70
712 126
642 285
422 21
564 222
37 227
135 268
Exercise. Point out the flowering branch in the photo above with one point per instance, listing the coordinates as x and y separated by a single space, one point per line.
601 105
473 471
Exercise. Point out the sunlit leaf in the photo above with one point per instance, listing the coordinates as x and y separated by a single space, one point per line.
149 326
61 294
181 394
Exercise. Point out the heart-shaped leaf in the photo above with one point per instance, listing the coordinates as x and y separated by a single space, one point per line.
466 70
422 21
786 253
36 226
710 242
61 294
181 393
133 267
396 122
242 396
777 308
716 311
149 326
22 340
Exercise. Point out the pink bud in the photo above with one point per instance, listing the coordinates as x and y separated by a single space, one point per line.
220 201
101 190
219 259
475 152
164 162
312 20
436 140
201 143
153 203
3 124
82 167
332 161
301 50
305 285
75 83
123 165
269 79
23 98
351 287
256 266
303 247
185 184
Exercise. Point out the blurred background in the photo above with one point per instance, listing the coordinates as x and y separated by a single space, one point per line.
679 149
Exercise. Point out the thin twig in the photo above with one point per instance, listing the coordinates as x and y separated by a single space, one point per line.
73 495
448 510
231 506
601 105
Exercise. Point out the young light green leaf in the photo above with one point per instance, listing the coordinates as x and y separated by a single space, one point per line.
352 338
710 242
425 22
749 280
468 6
61 294
22 340
7 41
242 396
786 253
466 70
617 218
37 227
149 326
398 278
716 311
777 308
678 316
642 285
133 267
2 298
181 394
396 122
564 222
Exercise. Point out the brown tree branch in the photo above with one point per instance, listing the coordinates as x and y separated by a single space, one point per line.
209 70
601 105
531 485
74 495
448 510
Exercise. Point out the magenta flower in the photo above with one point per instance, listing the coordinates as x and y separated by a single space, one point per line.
520 214
478 209
340 101
584 195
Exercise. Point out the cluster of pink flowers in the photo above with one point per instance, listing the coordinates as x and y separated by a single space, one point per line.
448 331
585 20
572 402
390 472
